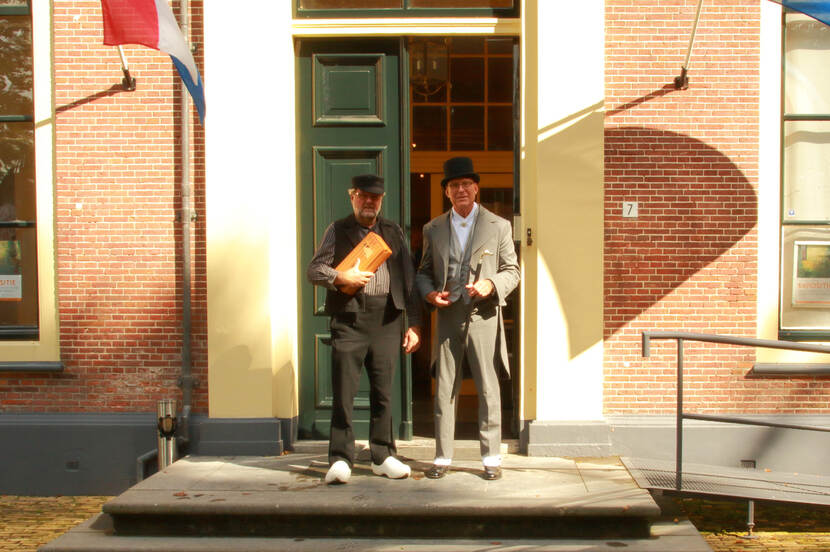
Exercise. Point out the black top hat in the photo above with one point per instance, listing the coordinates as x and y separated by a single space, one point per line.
368 183
458 167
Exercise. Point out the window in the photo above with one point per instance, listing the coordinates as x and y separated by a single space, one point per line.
18 209
462 93
399 8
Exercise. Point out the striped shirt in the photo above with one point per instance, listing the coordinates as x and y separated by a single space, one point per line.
322 273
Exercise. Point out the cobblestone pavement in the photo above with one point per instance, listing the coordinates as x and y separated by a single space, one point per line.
778 527
27 522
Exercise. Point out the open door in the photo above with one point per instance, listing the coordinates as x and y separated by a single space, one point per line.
463 101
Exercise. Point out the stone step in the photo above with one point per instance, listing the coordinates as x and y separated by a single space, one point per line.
96 535
286 496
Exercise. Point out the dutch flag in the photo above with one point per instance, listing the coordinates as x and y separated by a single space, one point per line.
151 23
817 9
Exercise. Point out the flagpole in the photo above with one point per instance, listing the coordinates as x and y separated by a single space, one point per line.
682 82
128 82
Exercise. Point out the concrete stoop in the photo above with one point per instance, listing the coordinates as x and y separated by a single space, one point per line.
283 503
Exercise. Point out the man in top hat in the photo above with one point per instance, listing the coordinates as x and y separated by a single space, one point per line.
367 328
465 241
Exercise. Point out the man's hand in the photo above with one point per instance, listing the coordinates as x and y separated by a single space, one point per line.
482 288
412 339
438 298
354 277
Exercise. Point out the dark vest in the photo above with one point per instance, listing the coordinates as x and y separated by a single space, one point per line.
346 237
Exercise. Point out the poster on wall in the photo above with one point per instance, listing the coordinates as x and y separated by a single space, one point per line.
11 284
811 274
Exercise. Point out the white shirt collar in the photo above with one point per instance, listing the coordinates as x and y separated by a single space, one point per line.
464 221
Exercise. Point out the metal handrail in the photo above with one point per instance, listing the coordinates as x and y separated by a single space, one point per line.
680 337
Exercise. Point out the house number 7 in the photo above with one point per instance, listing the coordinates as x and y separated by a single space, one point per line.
629 209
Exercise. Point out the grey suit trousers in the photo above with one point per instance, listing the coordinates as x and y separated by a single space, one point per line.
481 352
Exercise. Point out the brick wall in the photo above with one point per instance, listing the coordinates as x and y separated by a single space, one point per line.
689 158
118 159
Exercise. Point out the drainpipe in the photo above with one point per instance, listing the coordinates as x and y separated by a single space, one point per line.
186 380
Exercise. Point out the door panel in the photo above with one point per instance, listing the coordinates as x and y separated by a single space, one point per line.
348 89
348 124
333 170
323 396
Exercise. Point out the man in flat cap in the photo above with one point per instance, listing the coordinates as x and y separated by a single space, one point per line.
468 269
367 327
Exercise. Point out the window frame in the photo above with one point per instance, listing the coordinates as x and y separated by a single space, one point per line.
448 103
792 333
41 353
19 331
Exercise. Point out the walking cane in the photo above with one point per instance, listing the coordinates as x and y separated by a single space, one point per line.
472 304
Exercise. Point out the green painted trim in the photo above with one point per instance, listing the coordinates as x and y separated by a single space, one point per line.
17 333
406 430
517 139
16 119
781 369
412 12
804 117
304 162
15 10
51 367
804 335
406 11
403 74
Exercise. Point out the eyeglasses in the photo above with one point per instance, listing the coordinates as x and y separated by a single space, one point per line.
461 184
365 196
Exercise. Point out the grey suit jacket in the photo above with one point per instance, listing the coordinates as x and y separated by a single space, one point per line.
491 233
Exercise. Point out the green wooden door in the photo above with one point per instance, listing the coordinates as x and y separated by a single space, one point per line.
349 123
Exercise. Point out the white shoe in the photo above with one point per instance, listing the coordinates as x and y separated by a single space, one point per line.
392 468
339 472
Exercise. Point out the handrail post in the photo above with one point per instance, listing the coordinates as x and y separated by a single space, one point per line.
678 481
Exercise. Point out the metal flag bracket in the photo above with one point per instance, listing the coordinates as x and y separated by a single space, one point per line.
128 82
681 82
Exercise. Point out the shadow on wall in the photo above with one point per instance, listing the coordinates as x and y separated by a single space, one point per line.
570 212
694 205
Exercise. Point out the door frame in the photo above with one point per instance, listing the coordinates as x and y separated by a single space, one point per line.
396 29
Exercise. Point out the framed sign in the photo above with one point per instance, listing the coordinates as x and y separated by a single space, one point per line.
11 288
811 274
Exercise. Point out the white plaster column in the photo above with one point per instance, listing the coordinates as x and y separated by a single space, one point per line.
562 204
251 209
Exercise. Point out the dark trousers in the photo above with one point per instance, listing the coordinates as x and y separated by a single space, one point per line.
371 338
